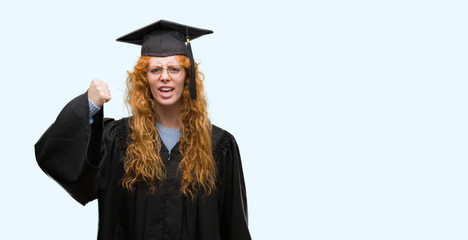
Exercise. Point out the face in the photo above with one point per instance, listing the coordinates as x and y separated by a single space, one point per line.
166 80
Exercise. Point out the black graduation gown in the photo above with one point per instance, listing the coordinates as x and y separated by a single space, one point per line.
87 160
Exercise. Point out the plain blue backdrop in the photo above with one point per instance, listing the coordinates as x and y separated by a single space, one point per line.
350 115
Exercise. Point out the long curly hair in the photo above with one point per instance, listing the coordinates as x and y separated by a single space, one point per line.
143 162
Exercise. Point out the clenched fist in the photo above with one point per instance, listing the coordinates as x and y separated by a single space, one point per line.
99 93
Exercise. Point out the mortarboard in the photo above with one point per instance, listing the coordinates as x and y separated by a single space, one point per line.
165 38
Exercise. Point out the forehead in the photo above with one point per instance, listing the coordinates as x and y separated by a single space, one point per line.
164 60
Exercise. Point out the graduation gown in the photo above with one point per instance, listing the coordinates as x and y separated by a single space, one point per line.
87 161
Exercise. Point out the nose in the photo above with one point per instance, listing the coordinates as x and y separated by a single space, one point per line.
164 75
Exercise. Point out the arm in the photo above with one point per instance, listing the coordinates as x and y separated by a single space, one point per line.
72 150
62 150
92 111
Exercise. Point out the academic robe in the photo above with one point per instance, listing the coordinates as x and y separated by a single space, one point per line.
87 161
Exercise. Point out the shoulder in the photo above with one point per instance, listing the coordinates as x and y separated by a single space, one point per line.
222 140
123 122
122 131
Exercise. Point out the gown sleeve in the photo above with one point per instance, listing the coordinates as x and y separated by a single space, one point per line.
234 219
72 151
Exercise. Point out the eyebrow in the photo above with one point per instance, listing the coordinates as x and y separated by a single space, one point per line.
159 65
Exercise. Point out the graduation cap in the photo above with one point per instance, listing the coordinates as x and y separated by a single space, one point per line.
165 38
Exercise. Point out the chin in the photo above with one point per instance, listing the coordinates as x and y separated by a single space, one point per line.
167 102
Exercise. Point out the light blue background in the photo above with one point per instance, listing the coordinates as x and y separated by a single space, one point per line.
350 115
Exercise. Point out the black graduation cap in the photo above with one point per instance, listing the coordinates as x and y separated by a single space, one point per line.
165 38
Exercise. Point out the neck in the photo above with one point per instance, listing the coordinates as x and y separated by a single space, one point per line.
168 116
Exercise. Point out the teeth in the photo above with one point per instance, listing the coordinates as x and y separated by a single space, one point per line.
166 89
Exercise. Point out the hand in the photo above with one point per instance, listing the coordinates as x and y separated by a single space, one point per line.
98 93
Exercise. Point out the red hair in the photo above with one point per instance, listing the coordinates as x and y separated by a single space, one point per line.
142 161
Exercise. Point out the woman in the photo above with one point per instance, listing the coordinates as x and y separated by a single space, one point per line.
164 173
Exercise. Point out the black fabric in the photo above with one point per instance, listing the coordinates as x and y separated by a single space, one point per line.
164 43
138 36
164 38
192 84
87 160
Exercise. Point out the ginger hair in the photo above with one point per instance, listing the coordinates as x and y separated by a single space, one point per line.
142 162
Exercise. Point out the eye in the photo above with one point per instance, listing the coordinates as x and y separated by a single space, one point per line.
175 69
156 70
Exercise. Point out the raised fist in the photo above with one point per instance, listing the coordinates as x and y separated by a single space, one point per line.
99 93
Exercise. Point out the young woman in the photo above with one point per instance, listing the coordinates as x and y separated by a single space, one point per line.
165 172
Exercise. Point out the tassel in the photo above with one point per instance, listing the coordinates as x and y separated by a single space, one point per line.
192 84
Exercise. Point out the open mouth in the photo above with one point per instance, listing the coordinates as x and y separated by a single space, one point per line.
166 92
166 89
